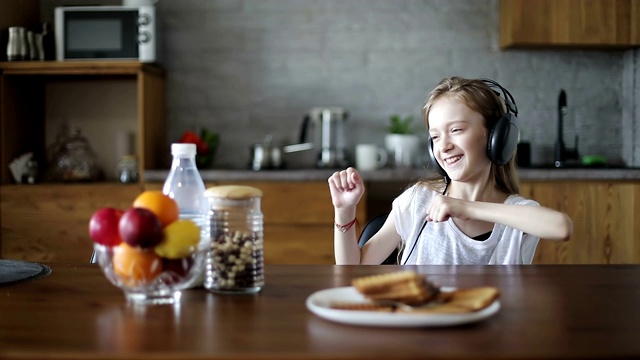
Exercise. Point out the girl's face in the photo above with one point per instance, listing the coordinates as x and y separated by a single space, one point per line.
459 139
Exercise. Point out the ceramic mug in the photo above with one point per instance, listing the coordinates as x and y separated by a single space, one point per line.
370 157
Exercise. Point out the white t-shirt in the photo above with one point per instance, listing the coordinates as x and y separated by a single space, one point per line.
443 243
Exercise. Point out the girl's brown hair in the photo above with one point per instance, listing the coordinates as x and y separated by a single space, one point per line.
478 96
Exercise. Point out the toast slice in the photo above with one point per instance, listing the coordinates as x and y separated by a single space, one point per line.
406 286
413 289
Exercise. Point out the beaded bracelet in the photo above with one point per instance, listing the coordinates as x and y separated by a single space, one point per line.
344 228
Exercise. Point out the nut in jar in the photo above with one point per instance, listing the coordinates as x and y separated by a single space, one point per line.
235 260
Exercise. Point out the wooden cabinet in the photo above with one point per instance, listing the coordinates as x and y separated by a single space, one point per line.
50 222
604 214
570 23
22 106
605 217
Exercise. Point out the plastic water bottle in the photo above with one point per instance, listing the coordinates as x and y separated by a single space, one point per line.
184 184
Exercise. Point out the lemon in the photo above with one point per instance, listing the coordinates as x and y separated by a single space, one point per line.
180 239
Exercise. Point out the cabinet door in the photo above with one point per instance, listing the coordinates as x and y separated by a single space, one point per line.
50 223
604 218
570 23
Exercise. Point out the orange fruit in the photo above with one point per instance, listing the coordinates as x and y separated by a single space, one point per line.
164 207
135 266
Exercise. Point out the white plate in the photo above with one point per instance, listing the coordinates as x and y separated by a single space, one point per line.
319 303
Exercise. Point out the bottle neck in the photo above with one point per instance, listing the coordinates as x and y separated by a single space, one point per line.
184 161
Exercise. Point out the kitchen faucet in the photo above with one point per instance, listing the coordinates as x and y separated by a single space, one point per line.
561 153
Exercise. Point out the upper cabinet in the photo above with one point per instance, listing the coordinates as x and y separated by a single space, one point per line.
570 23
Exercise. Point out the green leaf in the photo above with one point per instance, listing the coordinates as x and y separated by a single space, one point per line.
400 125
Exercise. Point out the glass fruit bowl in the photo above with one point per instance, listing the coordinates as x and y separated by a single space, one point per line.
147 278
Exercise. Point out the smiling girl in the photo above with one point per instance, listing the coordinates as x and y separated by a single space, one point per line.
472 216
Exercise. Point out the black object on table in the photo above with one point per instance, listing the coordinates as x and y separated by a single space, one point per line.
12 271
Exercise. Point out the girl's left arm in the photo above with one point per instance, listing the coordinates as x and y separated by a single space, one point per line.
539 221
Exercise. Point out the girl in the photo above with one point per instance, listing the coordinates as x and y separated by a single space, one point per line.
474 215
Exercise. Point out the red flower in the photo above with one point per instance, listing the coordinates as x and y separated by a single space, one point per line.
206 144
191 137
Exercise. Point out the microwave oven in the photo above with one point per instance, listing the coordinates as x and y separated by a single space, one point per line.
106 33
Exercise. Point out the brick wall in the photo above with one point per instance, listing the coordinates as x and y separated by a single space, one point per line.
248 68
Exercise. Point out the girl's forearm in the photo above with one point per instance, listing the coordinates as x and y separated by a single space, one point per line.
345 245
535 220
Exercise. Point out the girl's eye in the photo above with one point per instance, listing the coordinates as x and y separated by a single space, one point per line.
455 130
434 137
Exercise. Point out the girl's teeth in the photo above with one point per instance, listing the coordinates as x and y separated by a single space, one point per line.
452 160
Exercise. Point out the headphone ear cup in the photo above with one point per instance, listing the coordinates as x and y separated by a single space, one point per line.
503 140
433 161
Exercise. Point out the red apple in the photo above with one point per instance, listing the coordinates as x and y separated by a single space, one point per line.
140 227
103 226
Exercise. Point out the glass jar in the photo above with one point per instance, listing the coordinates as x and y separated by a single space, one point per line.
128 169
235 260
74 159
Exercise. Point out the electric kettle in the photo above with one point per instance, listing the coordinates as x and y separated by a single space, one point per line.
327 128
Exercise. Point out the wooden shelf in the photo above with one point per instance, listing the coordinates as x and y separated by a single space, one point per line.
22 106
78 68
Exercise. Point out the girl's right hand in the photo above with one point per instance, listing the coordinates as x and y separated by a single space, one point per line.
346 188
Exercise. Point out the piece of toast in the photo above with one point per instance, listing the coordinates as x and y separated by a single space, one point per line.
413 289
462 301
405 286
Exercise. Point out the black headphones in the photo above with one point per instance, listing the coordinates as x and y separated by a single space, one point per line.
503 137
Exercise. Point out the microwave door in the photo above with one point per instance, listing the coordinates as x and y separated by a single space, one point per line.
101 34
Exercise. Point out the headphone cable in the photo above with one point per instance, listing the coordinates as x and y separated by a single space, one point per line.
413 247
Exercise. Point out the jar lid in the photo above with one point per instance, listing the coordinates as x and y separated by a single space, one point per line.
233 192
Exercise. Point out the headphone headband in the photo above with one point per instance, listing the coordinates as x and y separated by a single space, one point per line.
509 102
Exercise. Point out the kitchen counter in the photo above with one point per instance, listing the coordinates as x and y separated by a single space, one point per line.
526 174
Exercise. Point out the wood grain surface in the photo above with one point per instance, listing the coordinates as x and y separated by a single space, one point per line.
49 222
568 23
604 214
547 312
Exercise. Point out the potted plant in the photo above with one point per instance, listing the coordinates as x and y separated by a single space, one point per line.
401 142
399 125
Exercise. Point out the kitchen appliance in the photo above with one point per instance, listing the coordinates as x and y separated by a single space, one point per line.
106 32
327 126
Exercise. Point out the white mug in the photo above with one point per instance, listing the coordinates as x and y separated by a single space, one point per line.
370 157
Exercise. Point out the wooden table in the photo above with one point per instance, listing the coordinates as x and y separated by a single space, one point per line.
548 312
